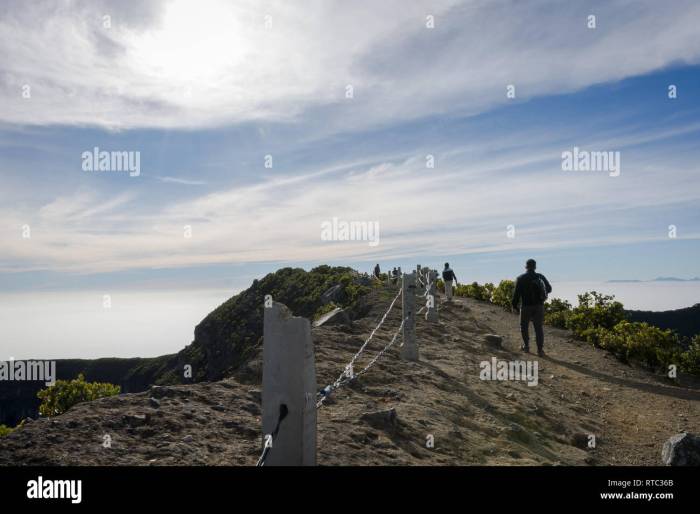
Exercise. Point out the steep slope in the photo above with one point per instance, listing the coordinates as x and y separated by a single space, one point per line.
581 391
223 340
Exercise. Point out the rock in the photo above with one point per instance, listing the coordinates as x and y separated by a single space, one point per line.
381 419
135 420
187 439
153 403
252 408
218 407
337 316
493 340
580 440
71 424
256 394
681 450
333 294
160 391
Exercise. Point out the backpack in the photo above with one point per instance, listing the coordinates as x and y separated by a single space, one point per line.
540 289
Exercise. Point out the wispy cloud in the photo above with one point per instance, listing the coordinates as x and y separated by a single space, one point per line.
460 206
182 64
182 181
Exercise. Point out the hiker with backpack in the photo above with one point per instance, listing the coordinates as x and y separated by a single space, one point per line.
531 289
377 271
448 276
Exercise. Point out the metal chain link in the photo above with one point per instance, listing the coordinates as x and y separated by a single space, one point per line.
383 350
339 381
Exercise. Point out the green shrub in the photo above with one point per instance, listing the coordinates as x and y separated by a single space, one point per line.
557 312
594 311
690 359
61 396
503 294
5 430
641 342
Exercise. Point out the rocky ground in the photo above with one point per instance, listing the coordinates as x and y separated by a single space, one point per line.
581 392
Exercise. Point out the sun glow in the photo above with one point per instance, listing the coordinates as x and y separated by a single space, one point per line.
196 42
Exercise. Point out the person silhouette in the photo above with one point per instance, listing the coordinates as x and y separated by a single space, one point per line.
448 276
531 290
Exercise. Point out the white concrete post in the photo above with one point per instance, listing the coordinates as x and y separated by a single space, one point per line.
289 384
431 314
409 350
420 288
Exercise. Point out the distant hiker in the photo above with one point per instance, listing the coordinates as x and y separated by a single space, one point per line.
532 289
377 271
394 274
448 276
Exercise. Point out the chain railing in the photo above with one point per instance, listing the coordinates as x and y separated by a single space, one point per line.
299 447
348 370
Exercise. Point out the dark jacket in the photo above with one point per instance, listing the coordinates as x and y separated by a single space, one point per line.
448 275
526 289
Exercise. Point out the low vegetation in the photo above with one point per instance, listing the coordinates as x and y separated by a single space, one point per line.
602 321
64 394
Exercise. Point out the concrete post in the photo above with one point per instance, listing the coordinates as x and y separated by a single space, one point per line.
420 288
409 350
289 384
431 313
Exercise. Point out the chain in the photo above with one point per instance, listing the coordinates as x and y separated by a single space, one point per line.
383 350
339 381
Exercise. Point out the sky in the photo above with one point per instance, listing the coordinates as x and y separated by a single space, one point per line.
443 122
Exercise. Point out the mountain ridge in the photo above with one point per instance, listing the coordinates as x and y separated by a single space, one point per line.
582 391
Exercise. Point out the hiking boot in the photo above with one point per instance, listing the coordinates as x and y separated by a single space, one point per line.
525 349
540 352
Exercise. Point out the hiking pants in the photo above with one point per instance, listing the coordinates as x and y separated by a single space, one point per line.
448 290
534 313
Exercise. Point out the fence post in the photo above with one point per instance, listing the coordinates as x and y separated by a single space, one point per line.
409 350
289 385
432 313
420 287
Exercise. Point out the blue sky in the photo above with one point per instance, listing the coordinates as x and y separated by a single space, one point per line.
205 93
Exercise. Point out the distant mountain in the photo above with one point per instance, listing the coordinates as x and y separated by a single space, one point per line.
657 279
675 279
684 321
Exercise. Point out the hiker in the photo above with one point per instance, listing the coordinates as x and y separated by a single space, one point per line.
377 271
394 274
448 276
531 289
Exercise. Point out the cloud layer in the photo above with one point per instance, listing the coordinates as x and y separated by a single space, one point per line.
182 64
